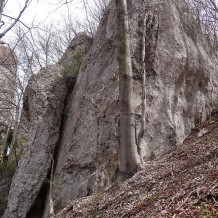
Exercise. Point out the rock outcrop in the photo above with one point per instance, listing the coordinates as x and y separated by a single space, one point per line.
44 111
8 66
74 55
88 153
43 107
180 90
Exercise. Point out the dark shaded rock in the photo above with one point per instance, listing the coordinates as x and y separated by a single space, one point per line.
4 189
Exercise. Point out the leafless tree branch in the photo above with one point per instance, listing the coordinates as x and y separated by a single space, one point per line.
16 19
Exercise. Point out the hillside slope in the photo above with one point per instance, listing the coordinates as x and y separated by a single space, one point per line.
183 183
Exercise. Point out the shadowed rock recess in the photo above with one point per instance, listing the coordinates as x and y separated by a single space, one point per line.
72 112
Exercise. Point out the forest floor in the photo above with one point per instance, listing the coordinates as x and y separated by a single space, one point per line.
183 183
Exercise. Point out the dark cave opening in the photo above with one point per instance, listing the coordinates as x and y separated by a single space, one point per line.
38 207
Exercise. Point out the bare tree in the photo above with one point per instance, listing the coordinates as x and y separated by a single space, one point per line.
10 95
15 20
98 9
206 14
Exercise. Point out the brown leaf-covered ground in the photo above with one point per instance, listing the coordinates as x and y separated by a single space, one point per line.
183 183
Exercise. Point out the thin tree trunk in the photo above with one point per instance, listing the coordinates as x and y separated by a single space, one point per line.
142 129
2 5
129 158
51 202
7 145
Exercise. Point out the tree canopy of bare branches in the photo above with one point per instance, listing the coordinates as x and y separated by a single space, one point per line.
206 14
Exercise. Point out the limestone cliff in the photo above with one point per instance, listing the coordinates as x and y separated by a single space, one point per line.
180 89
41 122
44 102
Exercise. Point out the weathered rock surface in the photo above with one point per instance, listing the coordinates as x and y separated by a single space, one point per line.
88 154
74 55
71 61
180 87
44 103
181 73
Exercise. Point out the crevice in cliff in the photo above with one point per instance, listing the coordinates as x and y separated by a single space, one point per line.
37 209
70 83
70 87
150 29
40 204
151 38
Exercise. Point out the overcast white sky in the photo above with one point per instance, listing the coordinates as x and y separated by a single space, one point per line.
44 11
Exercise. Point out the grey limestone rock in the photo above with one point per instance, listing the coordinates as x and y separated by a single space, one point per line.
181 73
180 88
45 95
88 154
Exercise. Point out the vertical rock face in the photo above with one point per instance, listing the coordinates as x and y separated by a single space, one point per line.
44 102
180 89
181 73
8 65
88 155
41 122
